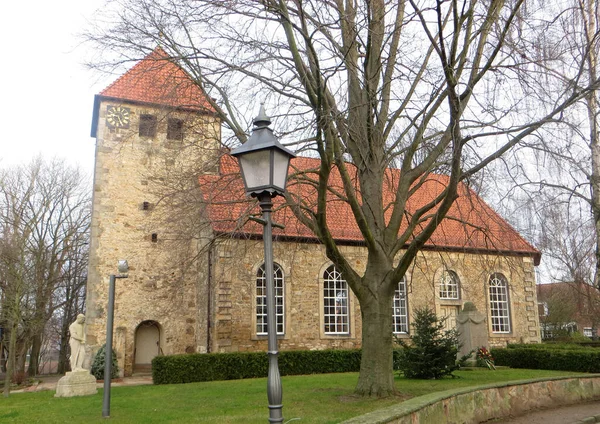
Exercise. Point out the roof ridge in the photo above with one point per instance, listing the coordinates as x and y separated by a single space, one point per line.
137 64
159 79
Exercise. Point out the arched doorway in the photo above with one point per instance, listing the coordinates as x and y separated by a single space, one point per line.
147 345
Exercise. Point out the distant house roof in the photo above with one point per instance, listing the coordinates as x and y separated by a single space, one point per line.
155 80
582 302
471 225
566 291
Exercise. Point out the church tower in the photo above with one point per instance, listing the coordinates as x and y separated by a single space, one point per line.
155 133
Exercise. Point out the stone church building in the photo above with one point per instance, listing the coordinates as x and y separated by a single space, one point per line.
169 199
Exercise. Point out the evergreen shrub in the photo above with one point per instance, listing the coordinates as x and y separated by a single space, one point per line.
98 364
433 351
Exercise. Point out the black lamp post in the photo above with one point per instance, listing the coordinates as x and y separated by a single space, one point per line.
264 163
123 268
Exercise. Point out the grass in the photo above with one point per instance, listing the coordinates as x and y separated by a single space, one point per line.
314 399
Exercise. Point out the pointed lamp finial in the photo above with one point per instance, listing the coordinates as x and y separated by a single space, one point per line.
262 120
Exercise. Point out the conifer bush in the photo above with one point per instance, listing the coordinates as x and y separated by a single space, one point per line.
98 364
432 352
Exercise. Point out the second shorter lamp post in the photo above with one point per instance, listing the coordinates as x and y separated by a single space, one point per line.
264 164
123 268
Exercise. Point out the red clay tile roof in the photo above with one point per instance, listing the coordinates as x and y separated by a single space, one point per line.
484 231
156 80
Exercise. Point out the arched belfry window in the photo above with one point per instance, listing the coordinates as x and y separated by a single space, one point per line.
499 303
261 300
400 309
449 285
336 317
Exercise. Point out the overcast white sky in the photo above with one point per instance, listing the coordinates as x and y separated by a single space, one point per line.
46 93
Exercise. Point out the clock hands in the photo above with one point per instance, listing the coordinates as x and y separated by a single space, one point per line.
117 117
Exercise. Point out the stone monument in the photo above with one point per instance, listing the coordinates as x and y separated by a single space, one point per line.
79 381
472 329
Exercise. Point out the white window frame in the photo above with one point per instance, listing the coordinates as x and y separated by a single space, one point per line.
499 304
545 309
336 301
400 309
449 288
261 300
587 332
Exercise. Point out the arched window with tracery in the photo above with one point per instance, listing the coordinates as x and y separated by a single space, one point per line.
261 300
336 317
449 287
499 303
400 309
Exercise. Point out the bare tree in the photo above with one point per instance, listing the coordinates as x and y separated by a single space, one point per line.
567 160
44 215
427 87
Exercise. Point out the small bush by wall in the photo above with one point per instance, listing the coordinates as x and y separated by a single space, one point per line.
98 364
577 359
230 366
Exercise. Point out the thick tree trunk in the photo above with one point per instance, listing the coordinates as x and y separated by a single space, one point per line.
63 354
34 357
10 364
63 359
23 344
376 377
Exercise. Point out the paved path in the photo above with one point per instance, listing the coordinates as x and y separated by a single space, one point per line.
582 413
48 382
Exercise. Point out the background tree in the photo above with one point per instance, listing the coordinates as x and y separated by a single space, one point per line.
429 87
566 160
44 219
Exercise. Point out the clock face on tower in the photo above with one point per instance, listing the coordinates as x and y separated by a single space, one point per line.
117 116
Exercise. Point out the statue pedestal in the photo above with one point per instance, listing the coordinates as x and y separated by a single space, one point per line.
76 383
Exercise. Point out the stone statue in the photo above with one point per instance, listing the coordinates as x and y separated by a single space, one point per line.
77 343
78 381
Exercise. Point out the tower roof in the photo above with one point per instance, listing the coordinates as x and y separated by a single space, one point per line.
155 80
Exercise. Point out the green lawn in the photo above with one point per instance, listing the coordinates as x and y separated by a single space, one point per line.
325 398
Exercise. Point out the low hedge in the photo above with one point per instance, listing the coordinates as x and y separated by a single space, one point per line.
554 345
190 368
577 359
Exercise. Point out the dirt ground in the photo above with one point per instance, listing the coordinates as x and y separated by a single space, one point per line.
564 415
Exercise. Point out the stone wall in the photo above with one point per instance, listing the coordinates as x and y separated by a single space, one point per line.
164 283
238 261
